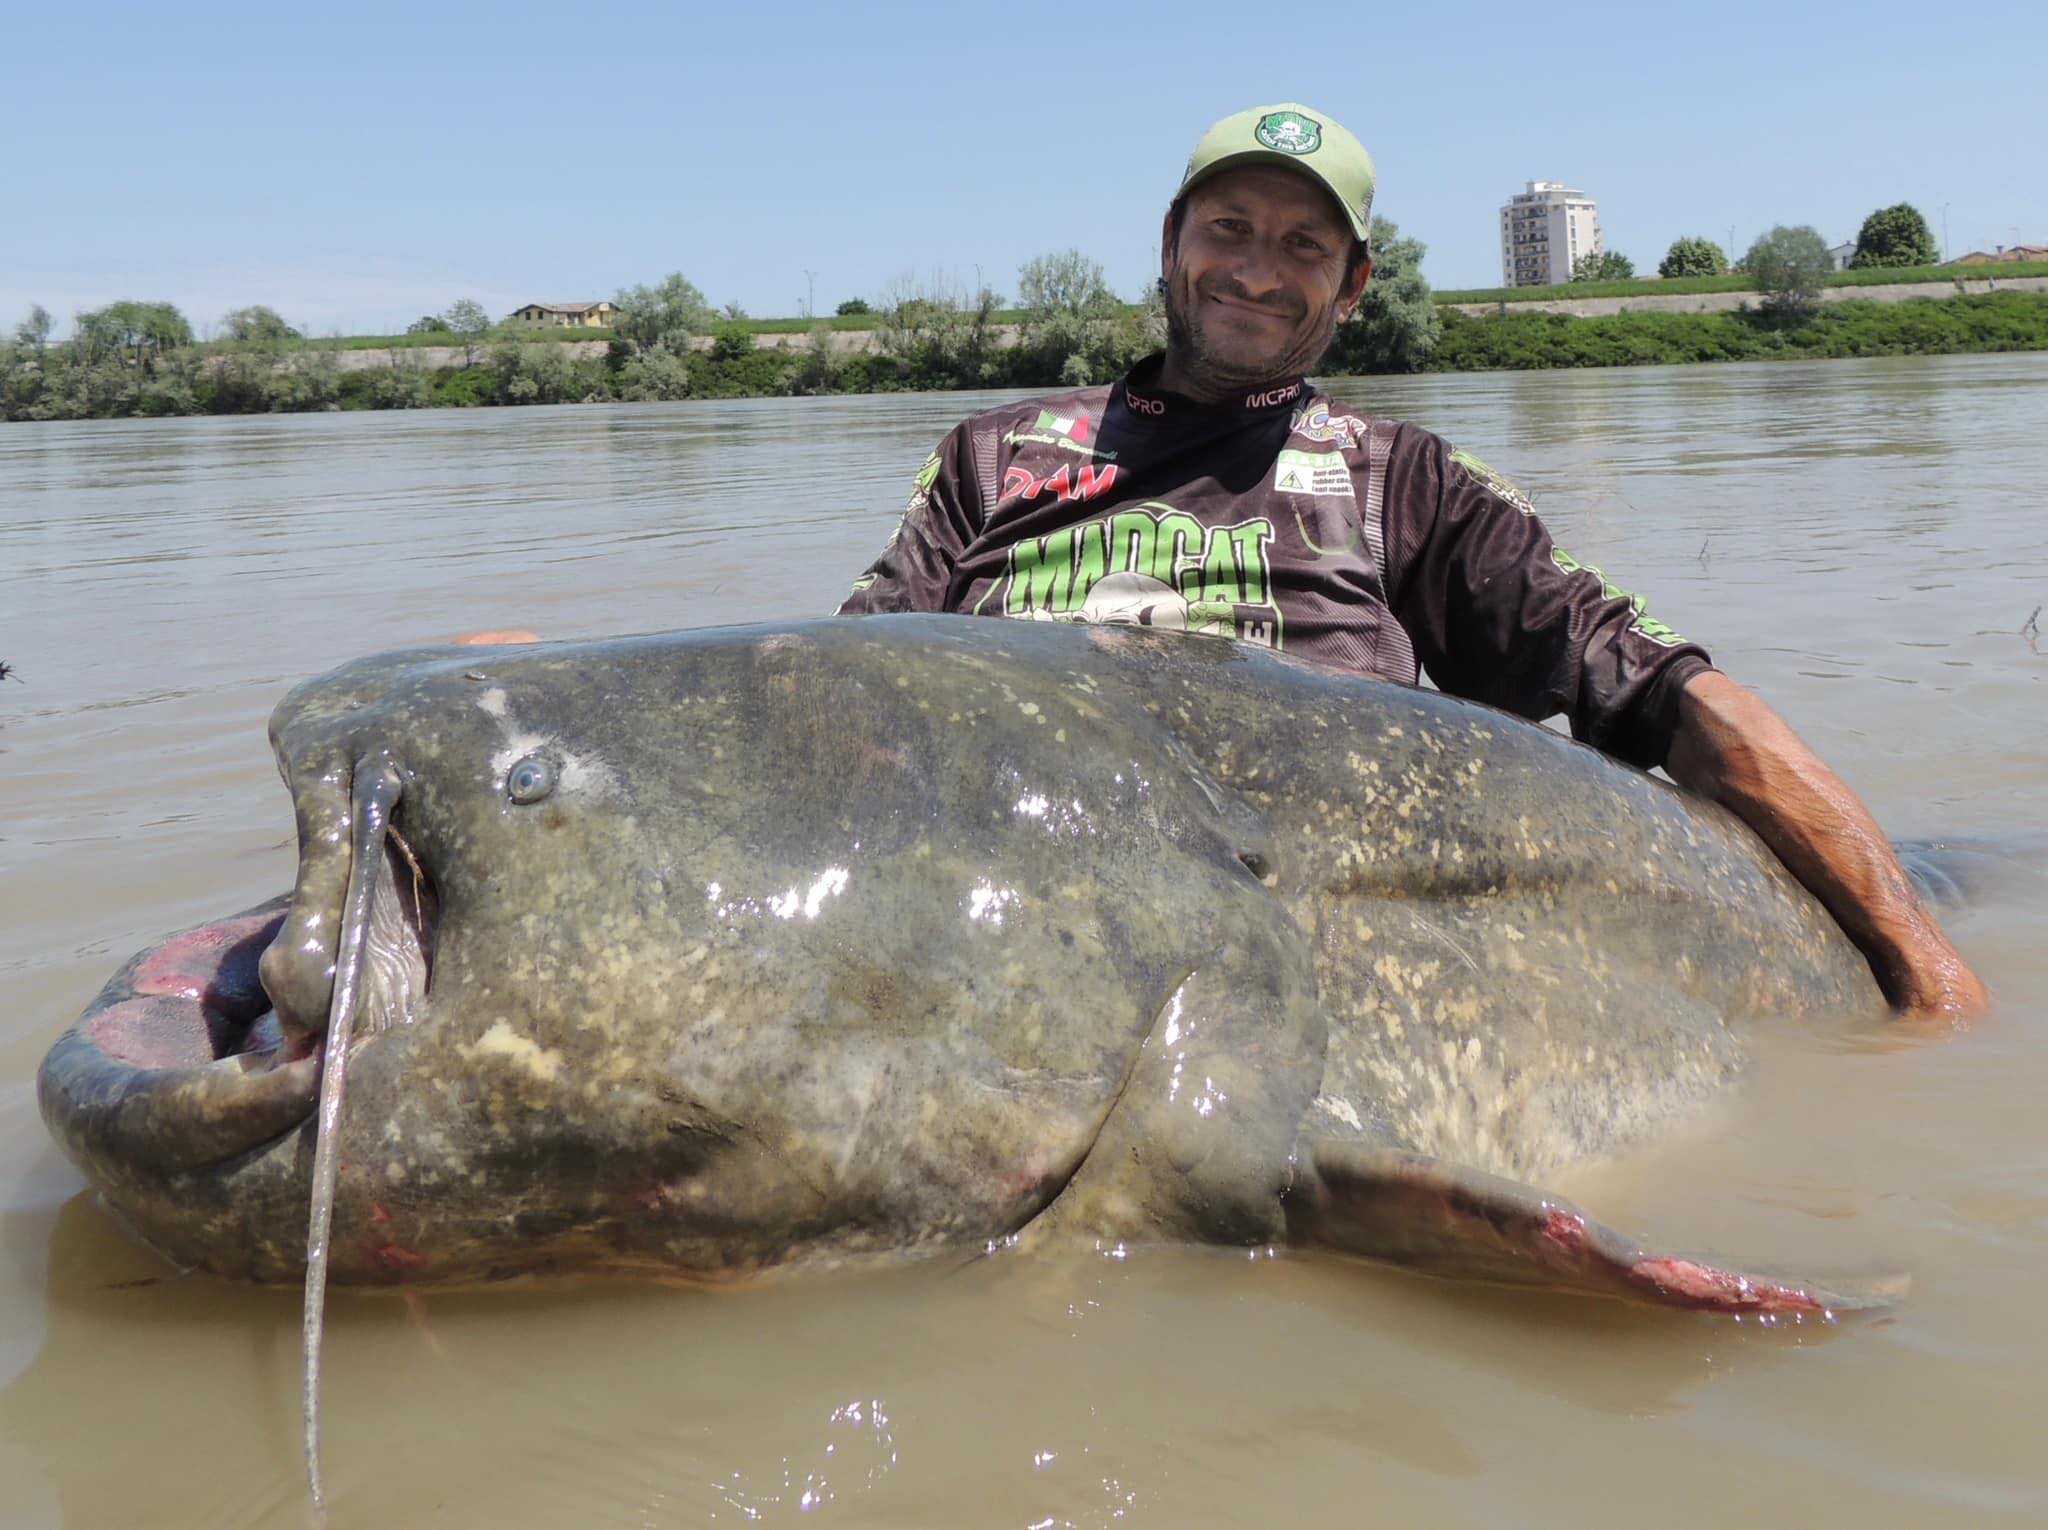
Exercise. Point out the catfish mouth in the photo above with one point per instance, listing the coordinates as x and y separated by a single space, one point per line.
209 1002
199 998
199 1051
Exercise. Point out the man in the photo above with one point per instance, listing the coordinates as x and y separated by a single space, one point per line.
1213 490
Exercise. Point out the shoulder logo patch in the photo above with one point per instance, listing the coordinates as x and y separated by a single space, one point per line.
1488 479
1314 421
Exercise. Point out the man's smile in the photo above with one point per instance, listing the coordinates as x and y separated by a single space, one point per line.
1247 305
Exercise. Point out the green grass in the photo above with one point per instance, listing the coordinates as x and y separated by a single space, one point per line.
1685 286
522 334
1679 286
1875 276
536 334
851 321
804 326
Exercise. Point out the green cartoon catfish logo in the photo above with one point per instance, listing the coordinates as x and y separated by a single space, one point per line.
1151 566
1289 132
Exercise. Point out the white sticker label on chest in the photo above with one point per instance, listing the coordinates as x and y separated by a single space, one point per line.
1312 473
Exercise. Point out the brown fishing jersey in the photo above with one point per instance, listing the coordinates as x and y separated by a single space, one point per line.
1285 519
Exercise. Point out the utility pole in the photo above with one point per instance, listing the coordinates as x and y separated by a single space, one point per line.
1731 244
1944 233
810 294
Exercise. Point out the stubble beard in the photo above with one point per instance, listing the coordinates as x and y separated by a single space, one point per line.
1200 365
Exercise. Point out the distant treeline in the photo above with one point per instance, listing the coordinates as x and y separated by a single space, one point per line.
951 351
1066 329
140 360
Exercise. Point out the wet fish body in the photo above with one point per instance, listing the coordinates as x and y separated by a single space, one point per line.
715 952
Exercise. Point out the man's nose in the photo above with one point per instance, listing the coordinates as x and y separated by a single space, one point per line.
1258 271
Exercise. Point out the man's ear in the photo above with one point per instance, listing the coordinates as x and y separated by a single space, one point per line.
1354 289
1166 244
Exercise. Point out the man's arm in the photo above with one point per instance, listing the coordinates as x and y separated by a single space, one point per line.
1733 749
915 571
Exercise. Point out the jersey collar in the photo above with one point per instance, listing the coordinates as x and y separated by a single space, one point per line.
1140 396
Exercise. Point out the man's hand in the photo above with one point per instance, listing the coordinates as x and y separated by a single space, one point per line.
1733 749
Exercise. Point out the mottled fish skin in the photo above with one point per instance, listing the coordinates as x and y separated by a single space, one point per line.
891 935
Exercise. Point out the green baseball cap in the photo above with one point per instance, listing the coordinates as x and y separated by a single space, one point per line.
1298 137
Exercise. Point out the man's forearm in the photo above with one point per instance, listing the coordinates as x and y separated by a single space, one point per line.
1733 749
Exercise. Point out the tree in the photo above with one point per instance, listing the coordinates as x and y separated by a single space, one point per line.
34 331
1791 266
1396 326
655 374
428 324
1894 236
467 321
733 313
1603 266
143 331
934 336
258 325
819 369
666 314
1068 284
852 306
1069 328
1692 256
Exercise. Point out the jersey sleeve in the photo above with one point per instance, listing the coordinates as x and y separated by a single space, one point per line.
1499 613
916 570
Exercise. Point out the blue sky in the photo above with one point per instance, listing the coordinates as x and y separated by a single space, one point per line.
357 167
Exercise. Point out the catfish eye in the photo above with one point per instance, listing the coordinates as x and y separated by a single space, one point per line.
530 780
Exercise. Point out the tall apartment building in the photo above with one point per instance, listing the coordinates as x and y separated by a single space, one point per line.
1542 231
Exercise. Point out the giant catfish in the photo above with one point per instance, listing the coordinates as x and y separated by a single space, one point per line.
717 952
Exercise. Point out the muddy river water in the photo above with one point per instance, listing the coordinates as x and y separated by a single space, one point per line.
1861 541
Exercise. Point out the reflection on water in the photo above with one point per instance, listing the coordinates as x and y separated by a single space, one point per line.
1861 541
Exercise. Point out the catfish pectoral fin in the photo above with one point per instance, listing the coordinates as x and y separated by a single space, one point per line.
1447 1220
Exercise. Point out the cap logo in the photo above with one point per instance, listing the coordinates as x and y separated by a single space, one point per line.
1289 132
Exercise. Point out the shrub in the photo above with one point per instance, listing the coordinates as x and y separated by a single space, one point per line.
1692 256
1603 266
1791 266
1894 236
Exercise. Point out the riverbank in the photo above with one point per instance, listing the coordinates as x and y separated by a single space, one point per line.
854 335
982 354
1520 340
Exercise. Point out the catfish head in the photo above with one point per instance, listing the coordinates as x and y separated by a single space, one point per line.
555 936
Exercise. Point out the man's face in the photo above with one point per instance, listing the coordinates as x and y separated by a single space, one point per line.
1255 284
